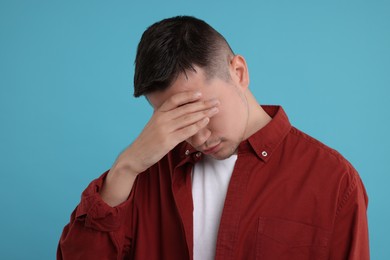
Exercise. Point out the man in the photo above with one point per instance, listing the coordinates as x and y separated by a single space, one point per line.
214 175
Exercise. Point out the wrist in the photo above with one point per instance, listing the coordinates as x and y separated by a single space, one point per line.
125 164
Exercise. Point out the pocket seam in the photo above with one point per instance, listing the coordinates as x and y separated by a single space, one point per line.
320 236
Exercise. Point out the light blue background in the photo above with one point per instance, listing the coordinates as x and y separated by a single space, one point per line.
66 105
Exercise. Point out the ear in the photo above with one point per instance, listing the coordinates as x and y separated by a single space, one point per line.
239 71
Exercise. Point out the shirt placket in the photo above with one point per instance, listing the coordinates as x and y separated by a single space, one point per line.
182 193
231 214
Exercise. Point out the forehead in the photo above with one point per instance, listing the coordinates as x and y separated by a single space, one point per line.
189 81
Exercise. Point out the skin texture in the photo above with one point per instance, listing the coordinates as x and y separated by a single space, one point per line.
233 122
213 115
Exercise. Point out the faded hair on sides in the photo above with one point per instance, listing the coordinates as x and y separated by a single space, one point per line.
174 45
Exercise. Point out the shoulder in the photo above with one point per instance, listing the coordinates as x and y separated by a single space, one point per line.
329 165
315 156
316 149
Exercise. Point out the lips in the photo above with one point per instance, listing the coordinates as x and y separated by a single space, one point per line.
212 149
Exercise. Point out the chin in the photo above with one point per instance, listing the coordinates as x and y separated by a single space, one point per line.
224 153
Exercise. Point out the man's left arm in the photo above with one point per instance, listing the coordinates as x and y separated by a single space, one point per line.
350 234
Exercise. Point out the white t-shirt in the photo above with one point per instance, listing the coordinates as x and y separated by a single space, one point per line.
210 181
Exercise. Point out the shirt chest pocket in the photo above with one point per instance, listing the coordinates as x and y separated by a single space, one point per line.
283 239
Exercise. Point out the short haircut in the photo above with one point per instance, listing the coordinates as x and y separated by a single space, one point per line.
174 45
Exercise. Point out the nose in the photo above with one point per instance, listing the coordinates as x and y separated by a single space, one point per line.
200 137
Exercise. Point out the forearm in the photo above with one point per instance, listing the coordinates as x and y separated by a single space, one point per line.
118 183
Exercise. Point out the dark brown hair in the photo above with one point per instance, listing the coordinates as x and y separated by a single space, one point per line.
174 45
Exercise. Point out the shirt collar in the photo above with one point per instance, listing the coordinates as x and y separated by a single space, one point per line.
264 142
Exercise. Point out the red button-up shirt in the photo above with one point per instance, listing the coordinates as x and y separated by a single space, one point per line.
289 197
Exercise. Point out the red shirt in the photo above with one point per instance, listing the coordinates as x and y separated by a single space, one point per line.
289 197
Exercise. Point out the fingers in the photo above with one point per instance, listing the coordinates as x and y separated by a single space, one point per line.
192 118
194 107
188 131
183 115
179 100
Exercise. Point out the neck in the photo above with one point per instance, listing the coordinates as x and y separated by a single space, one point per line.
257 117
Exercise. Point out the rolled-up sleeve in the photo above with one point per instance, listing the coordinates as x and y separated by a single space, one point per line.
97 230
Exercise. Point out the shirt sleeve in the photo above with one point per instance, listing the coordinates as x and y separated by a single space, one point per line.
97 230
350 235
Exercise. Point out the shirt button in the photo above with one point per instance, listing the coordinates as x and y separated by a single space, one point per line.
198 154
187 152
264 153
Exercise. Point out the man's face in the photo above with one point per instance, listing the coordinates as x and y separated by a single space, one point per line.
221 137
